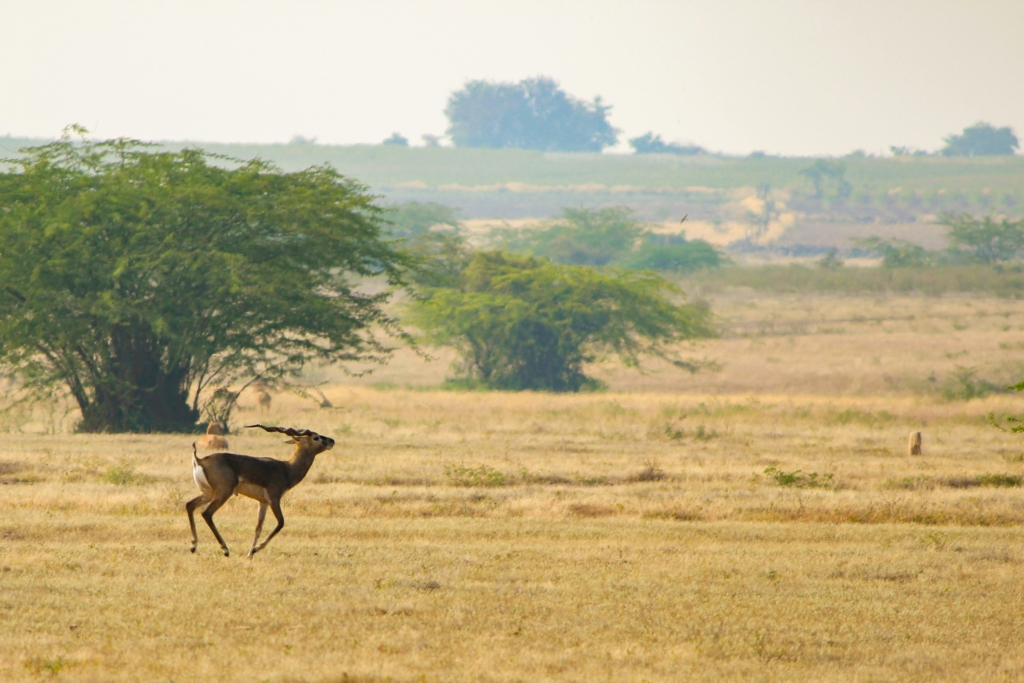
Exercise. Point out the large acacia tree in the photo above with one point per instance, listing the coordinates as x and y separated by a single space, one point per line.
141 280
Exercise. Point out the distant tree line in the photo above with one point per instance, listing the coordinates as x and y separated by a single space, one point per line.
981 139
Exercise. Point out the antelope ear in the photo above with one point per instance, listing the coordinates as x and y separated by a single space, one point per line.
290 441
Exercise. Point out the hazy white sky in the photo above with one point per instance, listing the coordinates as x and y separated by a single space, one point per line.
822 77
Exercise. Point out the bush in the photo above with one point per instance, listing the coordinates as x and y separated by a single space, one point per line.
797 479
474 477
649 143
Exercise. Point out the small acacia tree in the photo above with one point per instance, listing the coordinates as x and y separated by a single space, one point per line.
986 240
521 322
142 281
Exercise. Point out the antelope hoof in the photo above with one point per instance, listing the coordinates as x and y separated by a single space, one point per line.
192 549
226 553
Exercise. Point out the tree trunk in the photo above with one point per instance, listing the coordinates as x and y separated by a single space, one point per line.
138 392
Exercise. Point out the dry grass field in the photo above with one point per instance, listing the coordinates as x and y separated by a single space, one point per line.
760 523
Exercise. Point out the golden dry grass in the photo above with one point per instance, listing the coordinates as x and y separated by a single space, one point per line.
633 535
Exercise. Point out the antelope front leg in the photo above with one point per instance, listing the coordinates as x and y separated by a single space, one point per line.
275 507
259 529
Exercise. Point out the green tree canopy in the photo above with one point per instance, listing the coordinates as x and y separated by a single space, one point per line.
142 281
520 322
987 240
532 114
981 139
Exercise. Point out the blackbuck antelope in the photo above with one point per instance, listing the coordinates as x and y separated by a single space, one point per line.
264 480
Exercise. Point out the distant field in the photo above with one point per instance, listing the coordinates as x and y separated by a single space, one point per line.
517 183
857 340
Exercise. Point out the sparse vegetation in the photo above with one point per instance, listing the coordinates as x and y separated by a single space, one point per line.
798 479
121 474
474 477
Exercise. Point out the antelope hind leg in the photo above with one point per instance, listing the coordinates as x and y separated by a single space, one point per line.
190 507
208 516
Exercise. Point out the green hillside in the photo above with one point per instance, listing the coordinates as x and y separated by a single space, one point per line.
508 184
381 166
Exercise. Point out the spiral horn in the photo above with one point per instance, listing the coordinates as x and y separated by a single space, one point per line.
290 431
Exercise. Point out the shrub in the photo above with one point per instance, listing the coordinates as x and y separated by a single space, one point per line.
474 477
797 479
649 143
